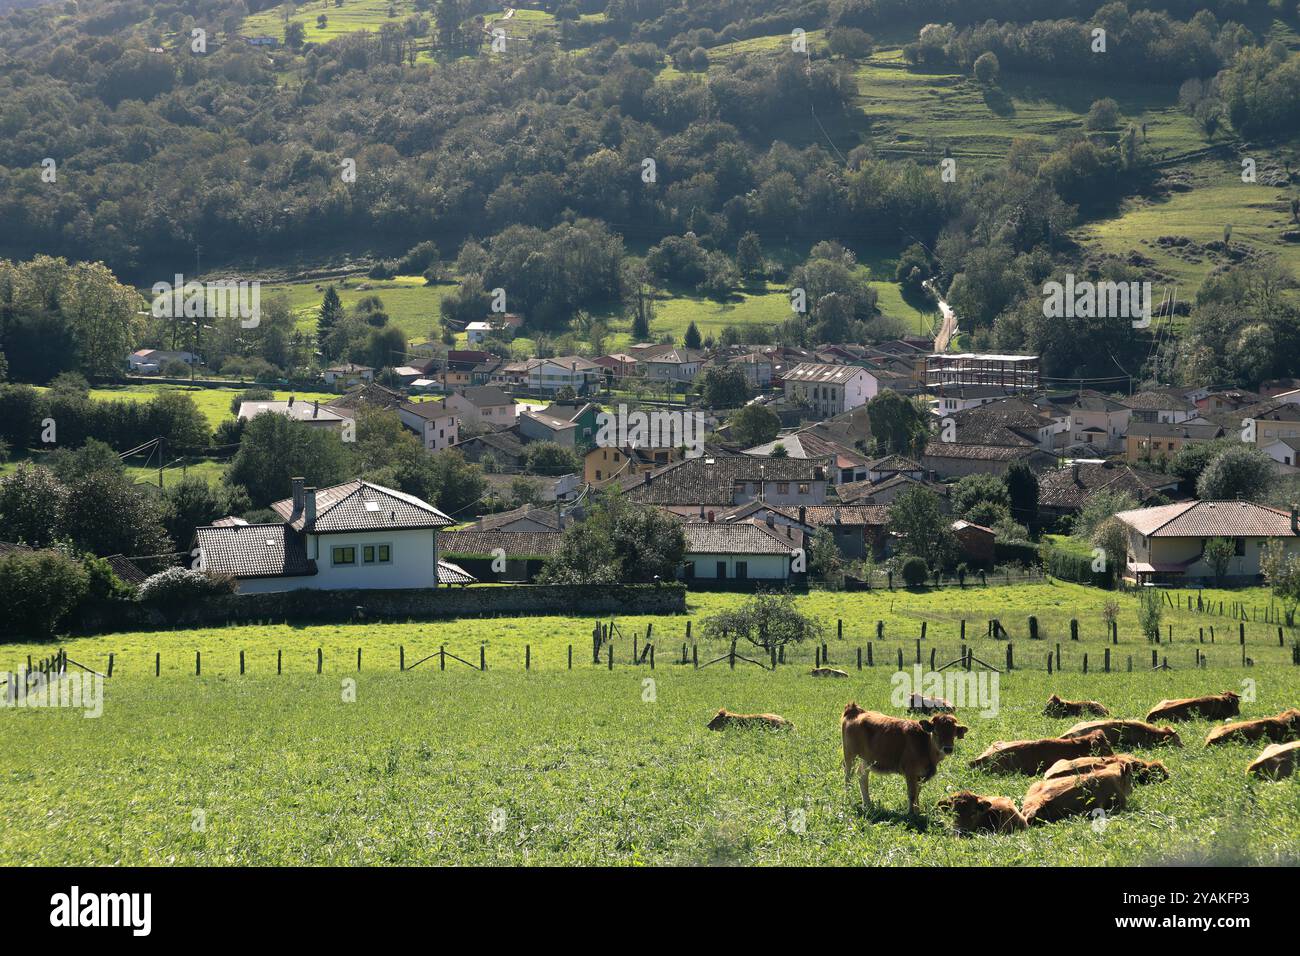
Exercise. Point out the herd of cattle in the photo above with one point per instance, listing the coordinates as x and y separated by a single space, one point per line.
1082 769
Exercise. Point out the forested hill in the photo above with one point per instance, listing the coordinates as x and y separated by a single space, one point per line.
600 146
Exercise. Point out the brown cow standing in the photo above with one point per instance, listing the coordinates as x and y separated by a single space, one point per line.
974 813
1276 761
1106 789
1033 756
1127 733
1279 729
1056 707
912 748
1144 771
1210 707
724 719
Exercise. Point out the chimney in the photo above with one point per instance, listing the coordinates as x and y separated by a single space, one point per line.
1074 472
309 509
297 497
710 517
803 515
1295 521
291 401
771 520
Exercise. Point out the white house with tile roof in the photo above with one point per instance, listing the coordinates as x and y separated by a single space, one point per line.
353 535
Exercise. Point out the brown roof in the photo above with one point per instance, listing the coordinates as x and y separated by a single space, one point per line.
1070 487
515 544
254 551
370 395
938 449
1202 519
874 515
362 506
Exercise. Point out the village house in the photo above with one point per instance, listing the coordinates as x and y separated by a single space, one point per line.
483 405
847 463
1097 420
476 332
310 413
524 553
1064 491
1166 544
1166 405
356 535
153 361
669 363
603 464
956 460
505 448
949 399
721 483
738 552
884 492
1157 441
829 390
348 375
433 421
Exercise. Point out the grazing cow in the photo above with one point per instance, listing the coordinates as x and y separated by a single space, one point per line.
1056 707
1107 789
1277 761
1279 729
1124 734
920 704
1210 707
912 748
973 813
1033 756
1144 771
827 672
724 719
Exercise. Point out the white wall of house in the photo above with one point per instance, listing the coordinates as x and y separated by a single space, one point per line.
413 563
766 567
435 434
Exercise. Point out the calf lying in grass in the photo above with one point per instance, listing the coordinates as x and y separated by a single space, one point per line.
1056 707
827 672
1144 771
1034 756
973 813
1276 761
920 704
1127 733
724 719
1210 707
1279 729
1107 789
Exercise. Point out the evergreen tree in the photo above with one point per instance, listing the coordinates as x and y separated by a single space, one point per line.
331 311
692 337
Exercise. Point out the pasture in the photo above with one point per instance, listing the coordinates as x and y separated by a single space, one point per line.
593 766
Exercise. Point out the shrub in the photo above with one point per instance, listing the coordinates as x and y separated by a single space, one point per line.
39 591
176 587
915 571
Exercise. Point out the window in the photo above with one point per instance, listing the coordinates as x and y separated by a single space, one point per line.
783 487
377 554
343 556
1239 546
742 570
722 569
803 488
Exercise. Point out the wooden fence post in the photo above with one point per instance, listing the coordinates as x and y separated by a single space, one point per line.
1155 657
528 657
241 663
1107 663
198 663
1011 660
923 624
279 659
1074 629
401 657
1049 662
932 658
839 629
963 629
482 657
695 656
110 664
900 658
918 650
442 657
871 662
157 664
571 654
320 660
1085 663
859 658
611 655
1058 656
358 660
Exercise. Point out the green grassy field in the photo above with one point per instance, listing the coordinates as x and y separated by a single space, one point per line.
593 766
214 403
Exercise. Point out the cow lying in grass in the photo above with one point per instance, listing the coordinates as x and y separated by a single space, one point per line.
912 748
1144 771
1279 729
724 719
1276 761
1034 756
1107 789
973 813
1210 707
1056 707
920 704
1124 734
827 672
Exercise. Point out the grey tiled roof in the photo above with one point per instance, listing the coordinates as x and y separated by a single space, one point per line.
362 506
254 551
515 544
1070 487
493 522
712 481
449 573
738 538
